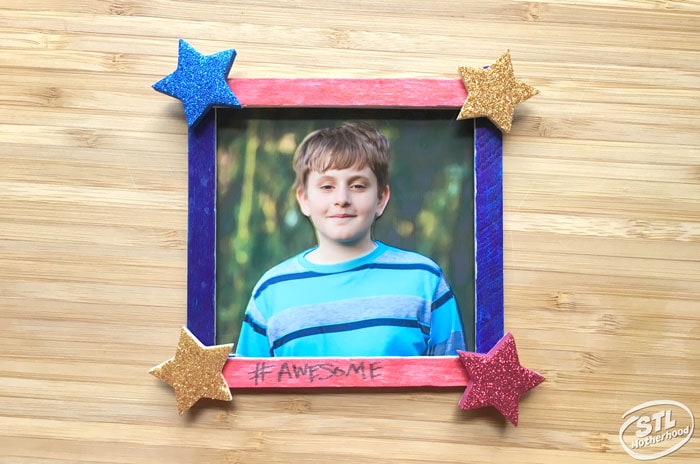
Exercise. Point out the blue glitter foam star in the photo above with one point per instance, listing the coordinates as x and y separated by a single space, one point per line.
200 82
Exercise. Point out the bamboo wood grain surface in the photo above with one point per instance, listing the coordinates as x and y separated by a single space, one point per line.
602 226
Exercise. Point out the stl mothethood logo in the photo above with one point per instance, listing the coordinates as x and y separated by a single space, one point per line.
656 429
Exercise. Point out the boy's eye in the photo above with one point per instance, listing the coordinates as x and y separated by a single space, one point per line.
358 186
326 187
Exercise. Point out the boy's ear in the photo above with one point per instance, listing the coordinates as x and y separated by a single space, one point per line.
302 199
383 201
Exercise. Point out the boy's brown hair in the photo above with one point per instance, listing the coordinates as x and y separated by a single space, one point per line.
348 145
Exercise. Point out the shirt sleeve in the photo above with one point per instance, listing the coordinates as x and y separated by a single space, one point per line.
446 332
253 341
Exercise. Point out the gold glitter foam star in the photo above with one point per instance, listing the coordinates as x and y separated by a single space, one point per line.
494 92
195 371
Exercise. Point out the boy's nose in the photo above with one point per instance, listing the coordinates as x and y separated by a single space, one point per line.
342 196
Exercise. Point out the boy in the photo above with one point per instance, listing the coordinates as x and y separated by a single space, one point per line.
350 295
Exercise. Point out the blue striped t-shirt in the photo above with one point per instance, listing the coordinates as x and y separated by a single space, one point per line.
390 302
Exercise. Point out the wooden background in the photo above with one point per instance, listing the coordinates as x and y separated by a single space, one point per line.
602 226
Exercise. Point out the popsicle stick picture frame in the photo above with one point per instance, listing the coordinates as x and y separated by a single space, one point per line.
431 99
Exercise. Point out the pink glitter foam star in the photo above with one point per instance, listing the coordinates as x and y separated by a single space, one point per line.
497 379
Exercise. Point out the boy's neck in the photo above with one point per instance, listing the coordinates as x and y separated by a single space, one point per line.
337 253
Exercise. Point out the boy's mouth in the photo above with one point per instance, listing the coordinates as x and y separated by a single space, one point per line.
341 216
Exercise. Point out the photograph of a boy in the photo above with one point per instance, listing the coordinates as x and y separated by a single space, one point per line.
350 295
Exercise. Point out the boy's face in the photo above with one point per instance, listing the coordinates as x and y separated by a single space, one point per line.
342 205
